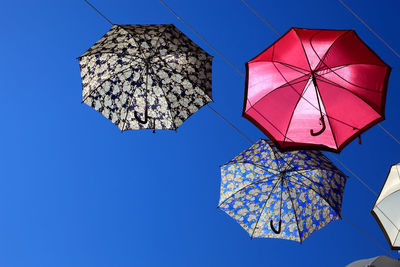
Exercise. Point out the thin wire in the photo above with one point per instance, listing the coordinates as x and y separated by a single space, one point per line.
233 126
394 138
99 12
373 240
212 47
355 175
369 28
255 12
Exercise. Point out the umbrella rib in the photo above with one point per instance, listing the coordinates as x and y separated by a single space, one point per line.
334 72
112 53
137 44
315 169
108 79
398 173
313 206
312 182
294 210
274 152
156 47
186 75
396 237
318 193
130 100
298 101
388 218
257 165
165 96
205 96
304 50
343 88
328 50
276 128
246 186
297 80
336 68
262 209
284 64
276 158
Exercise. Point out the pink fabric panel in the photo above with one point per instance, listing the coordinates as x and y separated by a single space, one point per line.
316 43
346 111
366 81
267 76
306 116
276 109
349 49
286 50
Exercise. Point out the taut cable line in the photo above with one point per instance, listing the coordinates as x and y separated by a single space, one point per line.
95 9
369 28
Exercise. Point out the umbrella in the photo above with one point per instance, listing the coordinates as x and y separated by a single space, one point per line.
146 77
386 208
381 261
281 195
315 89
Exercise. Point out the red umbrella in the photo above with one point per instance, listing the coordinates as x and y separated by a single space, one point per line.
316 89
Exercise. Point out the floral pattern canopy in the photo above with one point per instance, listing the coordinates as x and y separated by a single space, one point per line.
281 195
146 77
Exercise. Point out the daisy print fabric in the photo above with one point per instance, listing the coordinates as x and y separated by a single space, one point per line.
146 77
281 195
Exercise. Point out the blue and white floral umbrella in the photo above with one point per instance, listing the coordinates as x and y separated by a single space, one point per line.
281 195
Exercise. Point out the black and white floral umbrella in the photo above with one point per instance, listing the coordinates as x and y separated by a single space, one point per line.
146 77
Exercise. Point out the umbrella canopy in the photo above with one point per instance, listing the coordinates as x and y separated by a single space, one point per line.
146 77
386 209
315 89
381 261
281 195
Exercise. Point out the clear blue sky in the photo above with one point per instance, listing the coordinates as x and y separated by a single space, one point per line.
74 191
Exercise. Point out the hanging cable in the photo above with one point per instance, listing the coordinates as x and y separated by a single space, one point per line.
369 28
364 233
201 37
98 12
233 126
355 175
394 138
255 12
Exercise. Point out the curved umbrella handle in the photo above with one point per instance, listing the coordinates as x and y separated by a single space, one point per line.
146 117
273 228
320 131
